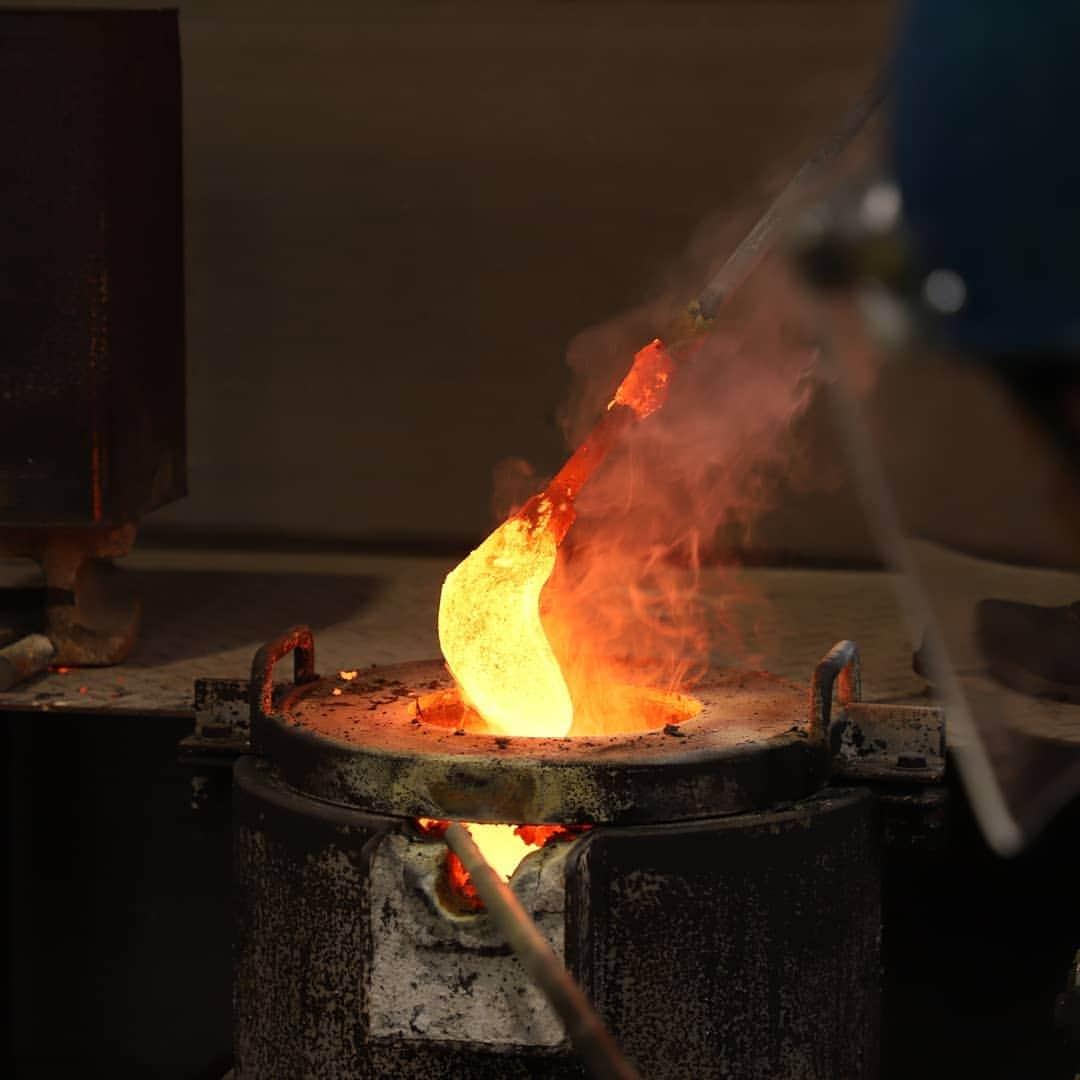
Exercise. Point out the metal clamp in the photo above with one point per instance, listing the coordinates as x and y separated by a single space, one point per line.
296 640
841 663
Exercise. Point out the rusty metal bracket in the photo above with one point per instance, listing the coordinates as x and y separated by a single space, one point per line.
298 640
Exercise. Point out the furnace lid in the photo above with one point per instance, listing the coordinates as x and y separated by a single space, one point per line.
361 743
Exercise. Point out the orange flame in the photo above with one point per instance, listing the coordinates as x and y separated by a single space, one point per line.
492 637
490 626
490 629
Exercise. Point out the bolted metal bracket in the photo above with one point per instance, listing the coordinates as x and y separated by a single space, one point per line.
222 734
224 708
902 744
899 750
873 742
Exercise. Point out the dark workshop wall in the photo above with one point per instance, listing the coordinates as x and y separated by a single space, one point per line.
398 216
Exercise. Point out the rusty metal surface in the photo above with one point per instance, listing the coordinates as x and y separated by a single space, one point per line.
364 743
297 641
740 948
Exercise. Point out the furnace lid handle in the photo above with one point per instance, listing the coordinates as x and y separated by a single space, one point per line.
841 665
298 640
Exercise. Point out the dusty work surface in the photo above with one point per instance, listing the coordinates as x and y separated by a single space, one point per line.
206 612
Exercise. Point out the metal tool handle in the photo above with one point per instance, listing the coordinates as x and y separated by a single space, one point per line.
841 663
298 640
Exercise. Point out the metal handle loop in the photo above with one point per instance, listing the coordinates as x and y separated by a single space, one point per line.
840 662
298 640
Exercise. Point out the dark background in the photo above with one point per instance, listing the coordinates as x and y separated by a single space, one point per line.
399 216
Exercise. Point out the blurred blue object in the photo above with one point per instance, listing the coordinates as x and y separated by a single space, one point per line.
986 149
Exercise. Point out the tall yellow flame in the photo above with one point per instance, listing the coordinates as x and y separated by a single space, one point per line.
489 613
501 845
490 630
492 637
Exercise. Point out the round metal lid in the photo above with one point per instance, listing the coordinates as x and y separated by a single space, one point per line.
364 743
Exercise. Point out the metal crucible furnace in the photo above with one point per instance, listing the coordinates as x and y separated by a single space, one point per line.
717 897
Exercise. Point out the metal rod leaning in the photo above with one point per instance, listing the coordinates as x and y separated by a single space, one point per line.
587 1032
753 247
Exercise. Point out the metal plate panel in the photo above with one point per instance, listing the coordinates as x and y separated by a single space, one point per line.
436 977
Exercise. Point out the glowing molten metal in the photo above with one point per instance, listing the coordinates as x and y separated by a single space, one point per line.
504 846
492 637
490 629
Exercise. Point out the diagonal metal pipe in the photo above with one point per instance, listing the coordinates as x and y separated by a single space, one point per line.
756 244
586 1030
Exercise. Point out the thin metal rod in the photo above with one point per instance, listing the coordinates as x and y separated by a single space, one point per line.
587 1032
883 517
753 247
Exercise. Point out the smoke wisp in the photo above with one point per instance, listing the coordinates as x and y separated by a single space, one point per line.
684 488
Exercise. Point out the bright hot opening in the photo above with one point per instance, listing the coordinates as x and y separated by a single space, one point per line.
504 846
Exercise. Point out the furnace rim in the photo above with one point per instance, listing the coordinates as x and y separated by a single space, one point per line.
360 744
